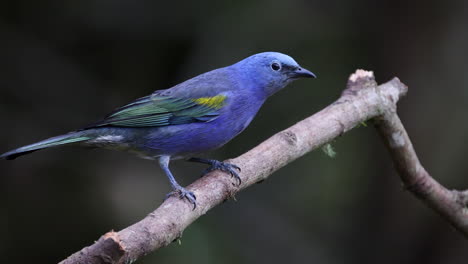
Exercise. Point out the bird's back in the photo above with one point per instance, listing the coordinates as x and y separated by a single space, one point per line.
207 84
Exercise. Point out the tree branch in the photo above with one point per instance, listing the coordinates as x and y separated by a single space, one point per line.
361 101
450 204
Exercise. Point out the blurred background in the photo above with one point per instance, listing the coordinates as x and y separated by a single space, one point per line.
64 64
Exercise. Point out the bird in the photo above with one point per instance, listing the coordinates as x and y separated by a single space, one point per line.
188 119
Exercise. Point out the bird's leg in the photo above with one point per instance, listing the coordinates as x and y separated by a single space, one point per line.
181 191
219 165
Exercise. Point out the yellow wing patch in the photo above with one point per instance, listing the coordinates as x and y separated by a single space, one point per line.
215 102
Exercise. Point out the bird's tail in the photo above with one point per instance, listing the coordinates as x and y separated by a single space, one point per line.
73 137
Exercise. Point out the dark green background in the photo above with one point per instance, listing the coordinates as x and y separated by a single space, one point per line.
64 64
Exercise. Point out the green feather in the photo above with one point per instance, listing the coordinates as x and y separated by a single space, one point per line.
153 111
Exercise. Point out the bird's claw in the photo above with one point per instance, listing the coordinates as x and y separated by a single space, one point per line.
183 193
226 167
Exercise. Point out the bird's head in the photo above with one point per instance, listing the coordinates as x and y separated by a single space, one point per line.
269 72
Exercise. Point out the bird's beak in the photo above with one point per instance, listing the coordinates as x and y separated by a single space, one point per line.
302 73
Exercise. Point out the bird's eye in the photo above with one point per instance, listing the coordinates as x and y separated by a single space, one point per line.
276 66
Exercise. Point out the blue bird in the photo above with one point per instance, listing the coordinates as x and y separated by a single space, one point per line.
200 114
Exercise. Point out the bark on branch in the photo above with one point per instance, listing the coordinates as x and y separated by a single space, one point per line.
362 100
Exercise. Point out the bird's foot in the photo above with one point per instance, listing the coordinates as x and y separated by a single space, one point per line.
183 193
226 167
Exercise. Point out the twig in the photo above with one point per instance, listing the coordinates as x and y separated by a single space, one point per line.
361 101
450 204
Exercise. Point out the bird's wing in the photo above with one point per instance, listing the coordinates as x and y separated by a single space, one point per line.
155 110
